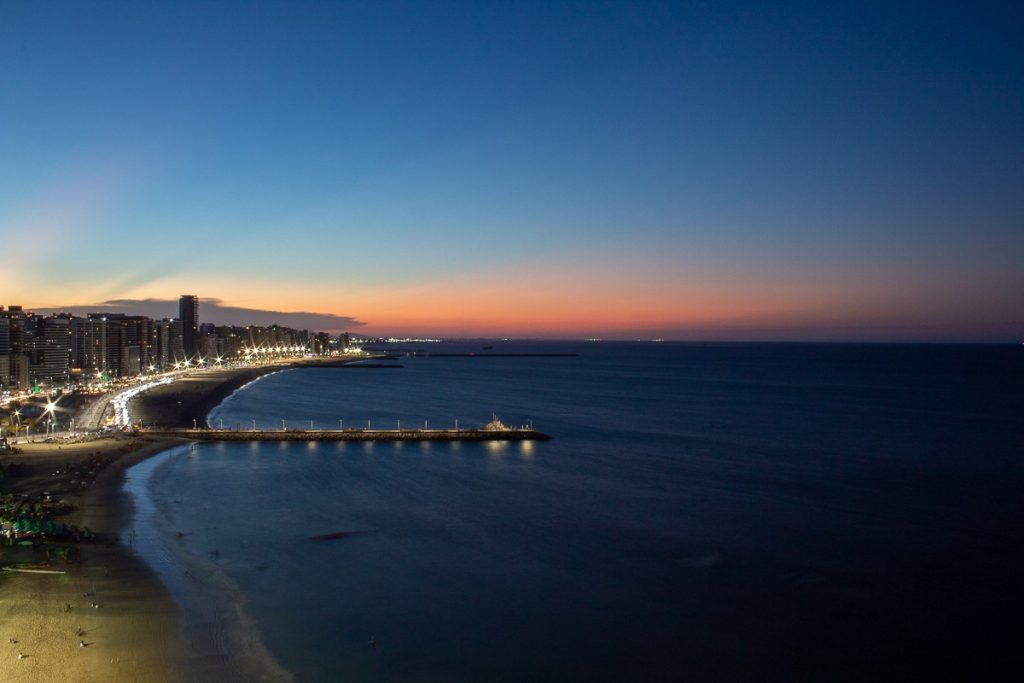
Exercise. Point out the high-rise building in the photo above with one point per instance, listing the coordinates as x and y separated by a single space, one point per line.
17 317
162 343
177 340
14 368
89 343
51 349
188 313
5 350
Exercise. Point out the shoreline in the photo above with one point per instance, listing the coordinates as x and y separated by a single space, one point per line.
138 632
189 400
219 639
135 633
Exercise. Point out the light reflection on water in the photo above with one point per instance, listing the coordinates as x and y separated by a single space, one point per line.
579 558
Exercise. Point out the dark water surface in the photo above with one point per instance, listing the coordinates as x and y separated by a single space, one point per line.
703 512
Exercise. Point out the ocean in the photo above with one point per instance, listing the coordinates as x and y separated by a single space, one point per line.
702 512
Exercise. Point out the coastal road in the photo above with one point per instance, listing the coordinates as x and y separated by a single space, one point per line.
91 416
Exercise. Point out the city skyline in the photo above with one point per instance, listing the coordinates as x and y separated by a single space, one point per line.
58 351
784 173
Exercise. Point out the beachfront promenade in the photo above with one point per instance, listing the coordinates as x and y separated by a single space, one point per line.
507 434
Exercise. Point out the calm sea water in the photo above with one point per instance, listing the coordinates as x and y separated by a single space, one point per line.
703 512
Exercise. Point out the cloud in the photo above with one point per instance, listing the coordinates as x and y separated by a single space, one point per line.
214 311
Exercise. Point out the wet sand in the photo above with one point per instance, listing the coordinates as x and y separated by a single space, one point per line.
135 633
192 398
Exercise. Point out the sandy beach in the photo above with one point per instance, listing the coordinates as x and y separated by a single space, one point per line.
191 398
135 634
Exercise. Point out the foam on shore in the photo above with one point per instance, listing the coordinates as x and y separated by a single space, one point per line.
221 640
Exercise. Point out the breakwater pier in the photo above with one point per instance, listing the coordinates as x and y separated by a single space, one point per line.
350 434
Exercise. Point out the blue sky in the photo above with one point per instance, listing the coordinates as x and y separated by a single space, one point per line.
860 163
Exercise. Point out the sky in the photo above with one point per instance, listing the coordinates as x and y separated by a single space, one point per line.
688 170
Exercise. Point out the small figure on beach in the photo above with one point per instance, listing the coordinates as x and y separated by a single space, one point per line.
81 643
21 655
96 605
66 608
12 641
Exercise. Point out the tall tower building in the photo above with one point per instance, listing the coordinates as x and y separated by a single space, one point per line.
188 313
5 350
51 349
17 363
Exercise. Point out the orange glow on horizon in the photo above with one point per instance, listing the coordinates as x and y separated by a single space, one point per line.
591 300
